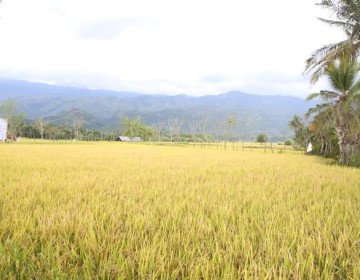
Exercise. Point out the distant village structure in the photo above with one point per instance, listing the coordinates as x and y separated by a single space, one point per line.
123 139
128 139
3 129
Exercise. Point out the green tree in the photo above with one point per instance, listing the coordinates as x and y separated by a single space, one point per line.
302 133
347 14
130 126
340 104
232 122
323 133
15 121
261 138
78 124
40 125
29 131
135 128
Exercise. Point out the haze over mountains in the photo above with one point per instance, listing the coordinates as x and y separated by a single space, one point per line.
102 109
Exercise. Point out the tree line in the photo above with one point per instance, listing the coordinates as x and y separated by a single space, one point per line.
334 124
172 130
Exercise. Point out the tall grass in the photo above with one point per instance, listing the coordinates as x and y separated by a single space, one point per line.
120 211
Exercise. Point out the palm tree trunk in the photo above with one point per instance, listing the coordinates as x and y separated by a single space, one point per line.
322 148
340 131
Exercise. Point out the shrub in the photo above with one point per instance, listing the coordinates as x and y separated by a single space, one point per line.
261 138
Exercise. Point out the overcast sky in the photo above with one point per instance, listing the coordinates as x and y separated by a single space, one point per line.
194 47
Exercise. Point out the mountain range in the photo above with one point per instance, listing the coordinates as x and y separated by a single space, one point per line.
103 109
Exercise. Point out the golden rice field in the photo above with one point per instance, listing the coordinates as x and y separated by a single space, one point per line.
135 211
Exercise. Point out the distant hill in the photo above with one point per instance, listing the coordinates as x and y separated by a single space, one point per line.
66 118
102 109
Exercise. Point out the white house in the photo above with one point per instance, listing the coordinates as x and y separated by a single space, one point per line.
3 129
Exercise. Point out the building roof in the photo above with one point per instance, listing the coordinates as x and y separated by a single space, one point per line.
124 139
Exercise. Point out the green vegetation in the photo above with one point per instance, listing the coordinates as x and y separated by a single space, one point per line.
288 142
348 20
15 121
302 133
337 117
340 107
262 138
101 110
135 128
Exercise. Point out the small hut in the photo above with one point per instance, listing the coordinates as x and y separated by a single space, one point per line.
123 139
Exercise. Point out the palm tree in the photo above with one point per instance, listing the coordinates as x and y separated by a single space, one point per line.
339 103
302 133
348 19
323 131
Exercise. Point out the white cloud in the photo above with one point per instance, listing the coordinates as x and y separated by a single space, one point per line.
164 46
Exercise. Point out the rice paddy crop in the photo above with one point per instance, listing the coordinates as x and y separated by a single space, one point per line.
133 211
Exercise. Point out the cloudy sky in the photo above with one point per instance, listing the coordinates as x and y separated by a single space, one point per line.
194 47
